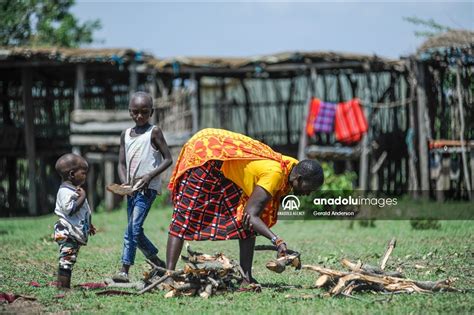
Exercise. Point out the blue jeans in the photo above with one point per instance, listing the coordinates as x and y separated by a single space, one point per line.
138 206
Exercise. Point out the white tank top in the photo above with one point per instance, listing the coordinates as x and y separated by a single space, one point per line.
142 158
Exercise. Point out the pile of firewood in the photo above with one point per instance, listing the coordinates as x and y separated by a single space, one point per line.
364 277
207 275
204 275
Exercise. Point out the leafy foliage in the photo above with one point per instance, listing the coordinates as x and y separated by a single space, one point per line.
335 185
43 23
434 27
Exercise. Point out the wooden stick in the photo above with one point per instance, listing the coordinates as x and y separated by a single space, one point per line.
161 280
325 271
322 281
388 252
274 248
369 270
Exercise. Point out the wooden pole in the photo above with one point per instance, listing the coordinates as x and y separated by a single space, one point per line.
287 110
422 132
152 89
194 103
303 136
413 184
109 172
365 150
223 106
472 168
12 180
91 189
248 113
133 78
461 133
79 90
26 82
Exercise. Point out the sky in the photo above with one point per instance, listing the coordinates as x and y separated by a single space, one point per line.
219 28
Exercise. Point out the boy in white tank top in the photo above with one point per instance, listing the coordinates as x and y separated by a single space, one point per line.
143 155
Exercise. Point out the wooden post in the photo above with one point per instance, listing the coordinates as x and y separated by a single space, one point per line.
194 103
303 136
442 182
91 189
133 78
422 132
154 95
365 149
472 168
109 172
287 110
198 99
79 90
26 82
413 184
12 180
461 133
223 107
248 113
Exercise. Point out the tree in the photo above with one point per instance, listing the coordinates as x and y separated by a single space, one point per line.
434 27
43 23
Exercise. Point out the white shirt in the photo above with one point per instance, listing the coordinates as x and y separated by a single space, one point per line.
77 221
142 158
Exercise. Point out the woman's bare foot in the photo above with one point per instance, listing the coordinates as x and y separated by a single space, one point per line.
250 285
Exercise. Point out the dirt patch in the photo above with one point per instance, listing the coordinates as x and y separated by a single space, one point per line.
21 306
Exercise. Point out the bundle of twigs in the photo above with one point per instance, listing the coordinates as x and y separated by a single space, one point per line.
204 275
364 277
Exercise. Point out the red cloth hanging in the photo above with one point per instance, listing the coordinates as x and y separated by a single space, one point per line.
350 122
313 113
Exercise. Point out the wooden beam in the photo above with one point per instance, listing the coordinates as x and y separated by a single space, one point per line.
290 67
333 152
422 132
26 82
79 90
103 116
172 139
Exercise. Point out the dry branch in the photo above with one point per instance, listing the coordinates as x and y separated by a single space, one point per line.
279 265
388 252
370 278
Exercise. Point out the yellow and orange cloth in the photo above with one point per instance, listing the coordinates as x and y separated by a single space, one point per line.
247 162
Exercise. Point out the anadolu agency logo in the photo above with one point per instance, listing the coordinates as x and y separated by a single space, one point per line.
290 203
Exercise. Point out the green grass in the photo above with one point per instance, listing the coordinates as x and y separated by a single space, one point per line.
27 253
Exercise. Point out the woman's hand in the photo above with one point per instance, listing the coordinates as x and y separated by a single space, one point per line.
282 249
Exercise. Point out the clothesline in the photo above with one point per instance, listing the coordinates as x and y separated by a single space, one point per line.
387 105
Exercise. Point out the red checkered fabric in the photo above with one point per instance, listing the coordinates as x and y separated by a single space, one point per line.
205 206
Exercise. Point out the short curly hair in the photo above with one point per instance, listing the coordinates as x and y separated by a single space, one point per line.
310 171
69 162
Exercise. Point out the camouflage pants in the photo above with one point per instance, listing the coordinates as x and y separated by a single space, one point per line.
68 247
